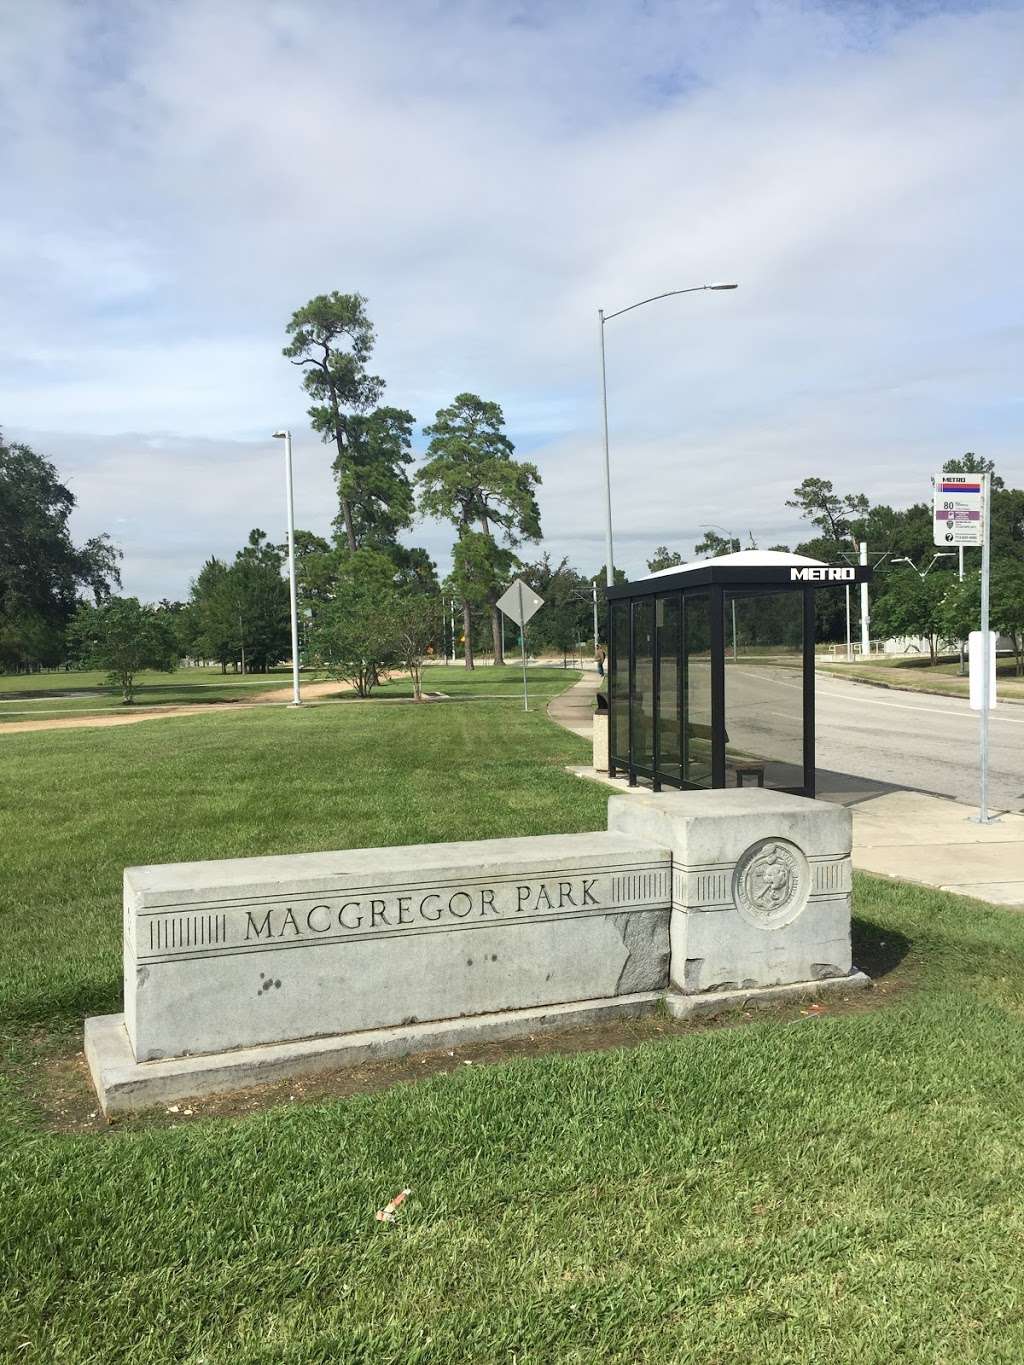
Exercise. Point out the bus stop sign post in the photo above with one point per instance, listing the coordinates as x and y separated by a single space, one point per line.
963 516
519 602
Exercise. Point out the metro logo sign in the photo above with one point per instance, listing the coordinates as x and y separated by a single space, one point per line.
958 510
824 574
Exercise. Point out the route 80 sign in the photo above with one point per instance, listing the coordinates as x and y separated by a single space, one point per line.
958 518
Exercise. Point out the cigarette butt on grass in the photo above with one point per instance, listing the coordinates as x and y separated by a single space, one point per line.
388 1212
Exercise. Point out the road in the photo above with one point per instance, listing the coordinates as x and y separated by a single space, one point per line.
900 739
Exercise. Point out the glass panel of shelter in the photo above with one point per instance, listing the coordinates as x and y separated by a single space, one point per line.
697 690
642 707
668 628
764 700
618 683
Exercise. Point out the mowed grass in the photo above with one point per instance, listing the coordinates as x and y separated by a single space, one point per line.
919 675
26 696
77 807
41 696
803 1188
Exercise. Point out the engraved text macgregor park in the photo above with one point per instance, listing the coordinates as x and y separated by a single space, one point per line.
396 911
691 901
172 935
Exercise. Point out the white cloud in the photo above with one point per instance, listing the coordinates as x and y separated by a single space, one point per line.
187 175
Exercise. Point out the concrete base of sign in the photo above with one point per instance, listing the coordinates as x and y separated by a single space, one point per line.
721 1002
127 1086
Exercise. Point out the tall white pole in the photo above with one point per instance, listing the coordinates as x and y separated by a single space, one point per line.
986 564
522 641
595 621
865 624
296 696
961 579
608 567
849 641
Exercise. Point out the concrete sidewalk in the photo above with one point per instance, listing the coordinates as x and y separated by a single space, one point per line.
907 835
574 709
914 837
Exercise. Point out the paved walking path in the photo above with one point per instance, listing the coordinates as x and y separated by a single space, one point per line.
906 835
915 837
574 708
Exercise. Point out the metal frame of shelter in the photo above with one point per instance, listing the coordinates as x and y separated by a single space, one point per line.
708 590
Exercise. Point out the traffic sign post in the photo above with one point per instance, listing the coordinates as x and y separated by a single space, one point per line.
963 516
519 602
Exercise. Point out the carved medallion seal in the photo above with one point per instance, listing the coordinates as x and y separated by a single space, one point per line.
771 883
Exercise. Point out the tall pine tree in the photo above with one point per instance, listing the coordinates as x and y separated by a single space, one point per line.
471 478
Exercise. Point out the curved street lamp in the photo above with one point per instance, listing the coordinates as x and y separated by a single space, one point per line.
603 318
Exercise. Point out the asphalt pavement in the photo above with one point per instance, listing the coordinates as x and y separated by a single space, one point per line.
926 743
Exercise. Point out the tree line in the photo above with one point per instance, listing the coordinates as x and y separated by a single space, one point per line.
369 602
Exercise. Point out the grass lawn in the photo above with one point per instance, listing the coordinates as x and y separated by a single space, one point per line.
807 1186
26 696
52 695
918 675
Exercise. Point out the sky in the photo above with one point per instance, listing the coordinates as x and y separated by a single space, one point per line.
178 178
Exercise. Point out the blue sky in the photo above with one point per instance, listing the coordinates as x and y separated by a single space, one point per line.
180 177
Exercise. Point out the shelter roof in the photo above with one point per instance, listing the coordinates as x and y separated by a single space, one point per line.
741 559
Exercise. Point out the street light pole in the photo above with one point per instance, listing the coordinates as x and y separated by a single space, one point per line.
602 318
608 568
286 436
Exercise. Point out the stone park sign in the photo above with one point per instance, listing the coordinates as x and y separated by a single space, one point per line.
257 969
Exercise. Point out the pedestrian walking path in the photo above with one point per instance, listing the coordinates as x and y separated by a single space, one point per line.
907 835
916 837
574 708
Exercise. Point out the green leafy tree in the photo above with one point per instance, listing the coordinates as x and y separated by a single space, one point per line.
714 545
664 558
216 632
314 571
962 606
471 478
332 340
414 569
414 622
124 636
240 613
914 606
43 574
371 476
354 636
261 601
566 619
970 463
834 514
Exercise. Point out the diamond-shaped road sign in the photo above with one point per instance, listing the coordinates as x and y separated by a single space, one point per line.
519 602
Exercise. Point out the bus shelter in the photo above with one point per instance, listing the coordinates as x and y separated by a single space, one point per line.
711 672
